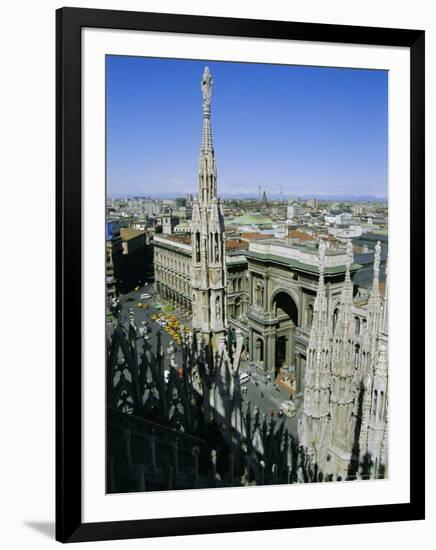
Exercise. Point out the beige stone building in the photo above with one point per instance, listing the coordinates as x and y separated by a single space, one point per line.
172 270
283 280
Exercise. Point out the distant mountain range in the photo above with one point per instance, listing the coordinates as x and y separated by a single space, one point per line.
346 198
336 198
274 196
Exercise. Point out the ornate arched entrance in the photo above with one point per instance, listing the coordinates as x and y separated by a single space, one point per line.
285 314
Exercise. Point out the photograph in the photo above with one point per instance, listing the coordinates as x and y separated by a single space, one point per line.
246 274
230 261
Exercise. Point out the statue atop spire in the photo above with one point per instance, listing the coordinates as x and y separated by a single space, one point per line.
374 303
377 253
320 305
321 255
385 320
206 87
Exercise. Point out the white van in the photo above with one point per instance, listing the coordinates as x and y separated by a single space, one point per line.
244 378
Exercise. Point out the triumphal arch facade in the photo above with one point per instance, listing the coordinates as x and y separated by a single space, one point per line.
283 278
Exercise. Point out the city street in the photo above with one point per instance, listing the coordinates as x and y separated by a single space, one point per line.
258 390
129 302
262 393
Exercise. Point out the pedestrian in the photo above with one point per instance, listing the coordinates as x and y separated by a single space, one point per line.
261 394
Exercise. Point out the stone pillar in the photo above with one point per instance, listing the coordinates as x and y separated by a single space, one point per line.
290 347
266 293
251 345
298 373
301 371
127 440
250 288
301 308
195 452
175 447
153 453
270 351
139 472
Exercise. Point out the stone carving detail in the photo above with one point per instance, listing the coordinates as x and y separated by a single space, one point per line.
259 294
218 309
206 86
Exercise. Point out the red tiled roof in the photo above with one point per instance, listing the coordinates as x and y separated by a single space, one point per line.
236 244
253 236
295 234
177 238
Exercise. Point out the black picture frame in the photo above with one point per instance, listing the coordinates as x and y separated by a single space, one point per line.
69 23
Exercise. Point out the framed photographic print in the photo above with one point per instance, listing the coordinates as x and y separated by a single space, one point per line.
240 225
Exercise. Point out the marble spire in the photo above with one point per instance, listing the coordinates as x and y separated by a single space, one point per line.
374 303
345 316
314 422
385 316
343 381
209 300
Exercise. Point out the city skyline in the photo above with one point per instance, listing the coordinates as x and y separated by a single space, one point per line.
339 118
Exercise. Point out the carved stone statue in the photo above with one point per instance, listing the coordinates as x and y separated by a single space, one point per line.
206 86
377 254
259 294
322 253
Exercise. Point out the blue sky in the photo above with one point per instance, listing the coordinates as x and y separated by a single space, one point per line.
305 130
